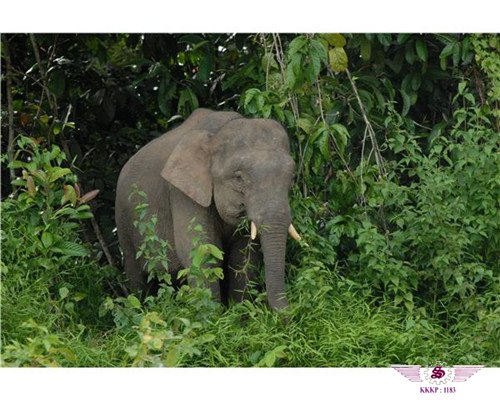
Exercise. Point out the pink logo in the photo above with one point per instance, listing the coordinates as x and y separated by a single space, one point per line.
438 374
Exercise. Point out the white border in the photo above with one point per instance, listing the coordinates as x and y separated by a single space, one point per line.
231 383
238 16
250 16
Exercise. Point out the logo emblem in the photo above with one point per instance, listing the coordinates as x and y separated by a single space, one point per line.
438 374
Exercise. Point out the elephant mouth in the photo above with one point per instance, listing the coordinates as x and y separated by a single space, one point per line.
241 214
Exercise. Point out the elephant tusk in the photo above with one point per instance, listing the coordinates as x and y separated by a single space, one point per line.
293 233
253 230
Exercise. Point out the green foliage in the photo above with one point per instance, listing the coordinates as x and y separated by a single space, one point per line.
163 338
153 250
47 276
41 350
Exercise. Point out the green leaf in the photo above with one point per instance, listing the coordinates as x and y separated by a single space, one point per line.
421 48
296 45
69 195
215 251
305 124
338 59
385 39
18 182
456 54
47 239
188 102
57 82
461 87
16 164
447 51
54 152
406 102
219 273
205 66
342 134
268 62
409 53
402 38
71 249
134 301
335 39
322 144
57 172
172 357
63 292
366 49
293 71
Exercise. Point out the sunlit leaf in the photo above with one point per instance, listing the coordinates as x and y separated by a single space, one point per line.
47 239
69 195
335 39
70 249
58 172
134 301
366 49
63 292
338 59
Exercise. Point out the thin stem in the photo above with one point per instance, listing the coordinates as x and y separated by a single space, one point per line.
10 109
335 144
268 63
43 74
371 133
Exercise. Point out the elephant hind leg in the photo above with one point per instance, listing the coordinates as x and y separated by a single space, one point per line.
137 277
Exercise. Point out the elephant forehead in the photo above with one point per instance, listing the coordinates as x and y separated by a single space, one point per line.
252 133
255 161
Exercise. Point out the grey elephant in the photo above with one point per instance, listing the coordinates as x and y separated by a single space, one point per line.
217 167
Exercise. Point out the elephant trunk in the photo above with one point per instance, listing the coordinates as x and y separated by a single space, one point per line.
273 242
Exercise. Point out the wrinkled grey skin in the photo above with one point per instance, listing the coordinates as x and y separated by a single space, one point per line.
217 167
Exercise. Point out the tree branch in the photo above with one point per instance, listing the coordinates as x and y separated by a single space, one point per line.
371 133
102 242
43 74
10 109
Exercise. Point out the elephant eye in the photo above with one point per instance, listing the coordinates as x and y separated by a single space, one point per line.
238 176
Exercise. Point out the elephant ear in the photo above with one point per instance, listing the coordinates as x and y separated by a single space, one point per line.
188 167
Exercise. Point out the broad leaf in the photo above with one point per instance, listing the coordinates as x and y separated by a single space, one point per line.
335 39
338 59
71 249
421 48
58 172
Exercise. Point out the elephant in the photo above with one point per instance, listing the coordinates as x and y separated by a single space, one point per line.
217 167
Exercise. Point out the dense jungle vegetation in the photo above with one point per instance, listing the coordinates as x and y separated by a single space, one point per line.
396 194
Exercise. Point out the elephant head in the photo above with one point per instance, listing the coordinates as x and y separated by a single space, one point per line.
246 169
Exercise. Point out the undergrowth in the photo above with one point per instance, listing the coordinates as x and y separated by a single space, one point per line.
58 310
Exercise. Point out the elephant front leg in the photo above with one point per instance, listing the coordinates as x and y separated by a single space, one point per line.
241 267
186 215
